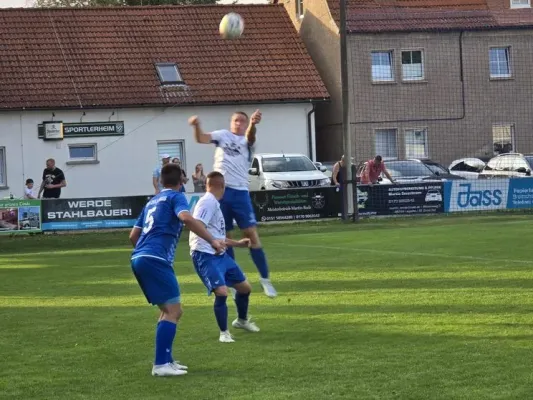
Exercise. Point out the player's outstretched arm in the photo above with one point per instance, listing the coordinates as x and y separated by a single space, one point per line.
238 243
199 135
252 130
198 227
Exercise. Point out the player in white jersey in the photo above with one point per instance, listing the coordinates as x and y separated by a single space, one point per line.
218 271
233 154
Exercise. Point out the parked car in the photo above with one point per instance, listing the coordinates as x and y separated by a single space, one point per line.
408 171
469 167
508 165
438 169
285 171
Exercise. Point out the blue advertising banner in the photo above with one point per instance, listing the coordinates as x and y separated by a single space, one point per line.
520 193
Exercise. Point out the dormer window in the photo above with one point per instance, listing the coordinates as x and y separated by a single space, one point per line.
169 74
520 3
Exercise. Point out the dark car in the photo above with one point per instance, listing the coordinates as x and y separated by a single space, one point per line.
438 169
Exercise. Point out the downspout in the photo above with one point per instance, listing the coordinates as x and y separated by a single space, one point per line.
311 134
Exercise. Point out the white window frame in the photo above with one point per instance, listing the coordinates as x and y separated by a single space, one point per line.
391 66
82 160
376 151
509 63
179 142
299 9
413 131
512 128
3 167
422 65
159 66
519 5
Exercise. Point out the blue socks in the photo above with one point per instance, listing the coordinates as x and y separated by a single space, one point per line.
259 259
231 252
242 301
164 336
221 312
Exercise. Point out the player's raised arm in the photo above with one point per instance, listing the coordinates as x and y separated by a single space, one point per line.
199 135
252 130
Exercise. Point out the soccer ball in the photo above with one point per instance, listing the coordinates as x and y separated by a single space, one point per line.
231 26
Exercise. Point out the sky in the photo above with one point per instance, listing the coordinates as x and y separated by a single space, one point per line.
22 3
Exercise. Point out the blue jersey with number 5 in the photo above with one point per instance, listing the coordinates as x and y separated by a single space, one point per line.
160 226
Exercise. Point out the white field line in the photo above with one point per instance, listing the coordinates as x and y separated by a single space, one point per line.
404 253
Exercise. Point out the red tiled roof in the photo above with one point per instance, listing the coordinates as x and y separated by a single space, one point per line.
372 16
104 57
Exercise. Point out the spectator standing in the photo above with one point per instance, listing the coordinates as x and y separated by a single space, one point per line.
337 176
199 179
156 176
373 169
184 178
53 181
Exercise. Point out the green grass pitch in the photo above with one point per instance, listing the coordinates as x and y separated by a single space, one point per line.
433 308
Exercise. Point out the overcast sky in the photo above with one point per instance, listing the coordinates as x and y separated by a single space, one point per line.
22 3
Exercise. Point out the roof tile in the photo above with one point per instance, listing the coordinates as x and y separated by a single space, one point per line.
104 57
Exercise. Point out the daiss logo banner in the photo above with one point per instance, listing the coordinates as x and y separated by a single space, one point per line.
477 195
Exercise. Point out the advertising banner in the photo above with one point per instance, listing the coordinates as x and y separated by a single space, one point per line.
98 212
18 216
401 199
520 193
476 195
296 204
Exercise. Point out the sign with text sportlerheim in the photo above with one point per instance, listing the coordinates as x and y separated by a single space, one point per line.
85 129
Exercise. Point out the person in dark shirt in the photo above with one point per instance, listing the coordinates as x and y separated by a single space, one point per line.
53 181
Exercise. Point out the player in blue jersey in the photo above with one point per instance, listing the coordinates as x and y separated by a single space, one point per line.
155 237
218 271
233 154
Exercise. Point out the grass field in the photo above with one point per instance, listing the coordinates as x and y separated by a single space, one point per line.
406 309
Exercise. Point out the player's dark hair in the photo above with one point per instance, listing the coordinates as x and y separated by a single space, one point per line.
29 181
378 158
241 113
171 175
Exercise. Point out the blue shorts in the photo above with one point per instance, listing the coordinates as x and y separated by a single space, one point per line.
237 205
157 280
216 270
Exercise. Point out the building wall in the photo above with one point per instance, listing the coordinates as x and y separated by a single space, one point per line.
126 162
320 34
436 103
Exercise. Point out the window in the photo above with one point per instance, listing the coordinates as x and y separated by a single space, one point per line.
520 4
287 164
299 9
499 62
169 74
412 65
386 144
255 164
416 143
382 66
175 149
3 170
503 138
82 153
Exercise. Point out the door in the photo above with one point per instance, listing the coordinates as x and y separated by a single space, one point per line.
255 180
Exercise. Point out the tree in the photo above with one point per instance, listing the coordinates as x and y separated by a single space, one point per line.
100 3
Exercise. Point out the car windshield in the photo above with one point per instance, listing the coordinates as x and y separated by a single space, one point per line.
529 159
287 164
399 169
437 168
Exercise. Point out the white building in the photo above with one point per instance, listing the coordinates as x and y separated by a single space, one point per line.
123 83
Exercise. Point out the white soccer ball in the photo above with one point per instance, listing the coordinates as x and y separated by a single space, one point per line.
231 26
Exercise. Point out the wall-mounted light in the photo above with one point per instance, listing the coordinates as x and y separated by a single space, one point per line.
113 113
82 115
